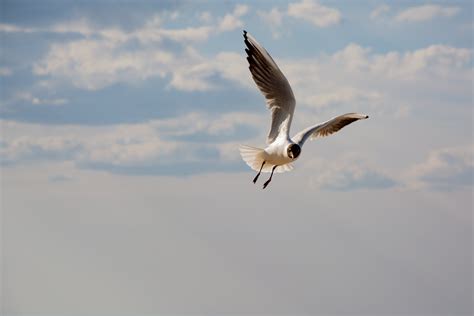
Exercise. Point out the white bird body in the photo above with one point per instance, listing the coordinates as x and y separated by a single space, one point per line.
276 153
281 150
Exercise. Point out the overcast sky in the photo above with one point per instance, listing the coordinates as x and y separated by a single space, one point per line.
123 192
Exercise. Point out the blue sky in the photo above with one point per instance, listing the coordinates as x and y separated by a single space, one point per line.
124 116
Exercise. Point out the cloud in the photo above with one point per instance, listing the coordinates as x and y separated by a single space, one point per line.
231 21
105 57
241 9
345 95
95 64
233 66
274 19
379 11
193 141
201 74
193 76
28 97
426 12
10 28
184 35
81 26
348 174
445 169
205 17
27 149
366 80
196 143
5 71
307 10
315 13
59 178
434 60
354 75
196 122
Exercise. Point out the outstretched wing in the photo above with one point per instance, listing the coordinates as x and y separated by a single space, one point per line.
328 127
273 85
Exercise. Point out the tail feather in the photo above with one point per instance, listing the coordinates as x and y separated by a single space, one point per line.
254 157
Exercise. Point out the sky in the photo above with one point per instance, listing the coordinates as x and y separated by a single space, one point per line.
123 191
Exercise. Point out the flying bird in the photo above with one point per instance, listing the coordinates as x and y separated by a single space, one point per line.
281 150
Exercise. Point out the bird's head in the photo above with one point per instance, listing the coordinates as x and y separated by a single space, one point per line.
293 151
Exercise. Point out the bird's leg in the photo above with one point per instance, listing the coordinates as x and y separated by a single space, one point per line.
270 179
258 174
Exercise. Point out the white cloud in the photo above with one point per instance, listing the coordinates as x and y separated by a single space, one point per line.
353 57
140 146
156 143
193 77
229 22
59 178
189 34
379 11
426 12
26 96
174 15
240 10
307 10
365 80
444 169
196 74
5 71
349 173
233 66
273 19
232 20
30 148
104 56
225 126
9 28
205 17
354 75
94 64
81 26
434 59
345 95
315 13
150 34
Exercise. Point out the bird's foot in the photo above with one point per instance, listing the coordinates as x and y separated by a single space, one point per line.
266 183
256 178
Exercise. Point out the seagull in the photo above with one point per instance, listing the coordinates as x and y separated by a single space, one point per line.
282 150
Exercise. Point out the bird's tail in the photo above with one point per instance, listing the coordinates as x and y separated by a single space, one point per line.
254 157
